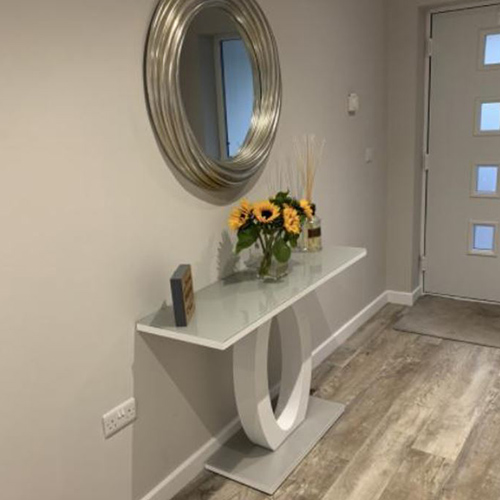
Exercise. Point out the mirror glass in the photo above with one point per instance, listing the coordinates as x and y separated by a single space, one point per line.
217 85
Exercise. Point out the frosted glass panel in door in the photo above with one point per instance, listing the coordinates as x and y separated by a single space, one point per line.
484 238
487 180
492 49
490 117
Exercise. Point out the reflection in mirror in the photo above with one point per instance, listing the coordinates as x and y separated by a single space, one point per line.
216 79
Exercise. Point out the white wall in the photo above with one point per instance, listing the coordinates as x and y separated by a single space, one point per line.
93 224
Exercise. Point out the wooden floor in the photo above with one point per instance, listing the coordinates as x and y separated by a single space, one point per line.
422 423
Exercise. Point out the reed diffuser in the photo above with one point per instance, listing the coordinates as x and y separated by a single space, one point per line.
309 154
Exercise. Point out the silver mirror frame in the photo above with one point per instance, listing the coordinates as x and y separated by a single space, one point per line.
168 29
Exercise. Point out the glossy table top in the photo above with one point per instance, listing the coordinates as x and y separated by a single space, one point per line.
228 310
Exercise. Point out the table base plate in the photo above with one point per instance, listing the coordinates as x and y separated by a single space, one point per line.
264 470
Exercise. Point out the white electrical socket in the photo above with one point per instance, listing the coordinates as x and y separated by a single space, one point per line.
119 417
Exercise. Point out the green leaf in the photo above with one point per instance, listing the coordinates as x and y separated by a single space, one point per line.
282 198
246 238
282 251
283 194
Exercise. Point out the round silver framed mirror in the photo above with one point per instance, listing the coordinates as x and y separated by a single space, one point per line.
213 87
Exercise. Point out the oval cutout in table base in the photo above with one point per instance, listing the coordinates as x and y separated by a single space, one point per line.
262 425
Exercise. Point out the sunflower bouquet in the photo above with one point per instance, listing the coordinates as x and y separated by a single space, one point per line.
274 225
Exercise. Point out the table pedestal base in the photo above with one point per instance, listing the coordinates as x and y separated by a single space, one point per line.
265 470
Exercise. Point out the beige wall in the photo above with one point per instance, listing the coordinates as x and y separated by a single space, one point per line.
406 24
93 224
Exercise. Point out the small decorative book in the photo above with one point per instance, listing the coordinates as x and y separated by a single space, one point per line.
181 284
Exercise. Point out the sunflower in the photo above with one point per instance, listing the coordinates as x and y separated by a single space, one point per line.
246 206
307 209
291 220
239 216
266 212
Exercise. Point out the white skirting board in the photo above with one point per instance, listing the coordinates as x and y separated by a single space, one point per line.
195 464
404 298
325 349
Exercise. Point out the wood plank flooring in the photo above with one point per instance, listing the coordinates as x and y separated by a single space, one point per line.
422 423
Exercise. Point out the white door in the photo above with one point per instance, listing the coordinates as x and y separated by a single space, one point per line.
463 197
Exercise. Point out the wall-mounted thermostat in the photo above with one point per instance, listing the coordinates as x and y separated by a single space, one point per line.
353 103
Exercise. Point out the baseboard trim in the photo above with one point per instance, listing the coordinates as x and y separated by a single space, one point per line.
325 349
195 464
404 298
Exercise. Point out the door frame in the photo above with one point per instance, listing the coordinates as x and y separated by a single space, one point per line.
453 7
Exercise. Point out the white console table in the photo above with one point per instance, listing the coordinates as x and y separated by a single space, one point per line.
238 312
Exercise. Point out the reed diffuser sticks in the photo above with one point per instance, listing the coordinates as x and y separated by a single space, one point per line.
308 154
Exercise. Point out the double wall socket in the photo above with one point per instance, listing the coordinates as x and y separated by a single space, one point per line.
119 417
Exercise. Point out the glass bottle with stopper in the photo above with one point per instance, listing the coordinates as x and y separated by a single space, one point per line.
312 232
310 237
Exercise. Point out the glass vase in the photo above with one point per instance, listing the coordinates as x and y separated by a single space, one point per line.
302 241
270 269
